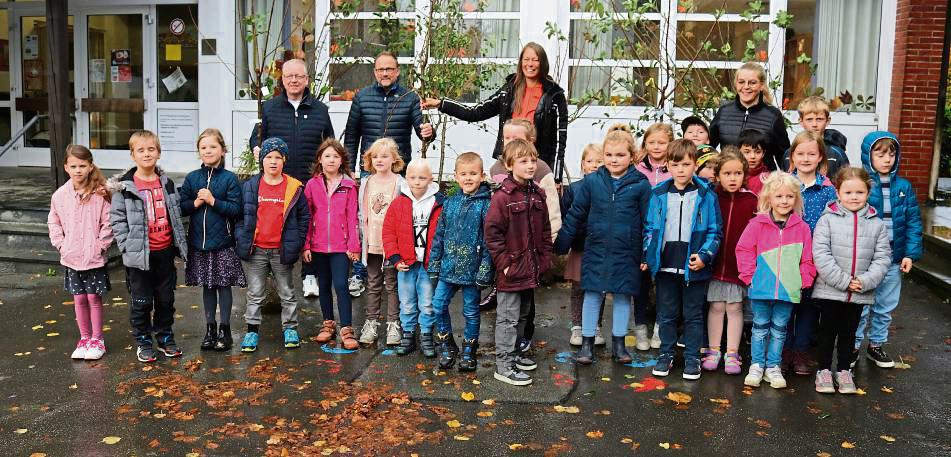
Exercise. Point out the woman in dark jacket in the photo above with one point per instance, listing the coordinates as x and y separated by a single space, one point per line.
751 109
529 93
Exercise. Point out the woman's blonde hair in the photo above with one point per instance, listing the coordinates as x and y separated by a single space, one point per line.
808 136
383 145
760 75
658 127
621 133
777 181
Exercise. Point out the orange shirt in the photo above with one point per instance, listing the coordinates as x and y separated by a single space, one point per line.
529 103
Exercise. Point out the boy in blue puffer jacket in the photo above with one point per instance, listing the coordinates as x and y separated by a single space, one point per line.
894 199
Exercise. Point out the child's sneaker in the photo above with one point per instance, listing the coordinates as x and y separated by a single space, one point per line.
754 376
802 363
513 376
599 337
642 342
250 342
170 349
355 284
664 363
523 345
368 333
774 376
655 339
845 382
348 339
692 369
310 286
524 363
877 354
393 333
291 338
145 354
732 363
575 339
80 352
824 382
328 329
711 359
95 349
854 358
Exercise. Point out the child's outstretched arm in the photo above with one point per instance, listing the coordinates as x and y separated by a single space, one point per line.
825 262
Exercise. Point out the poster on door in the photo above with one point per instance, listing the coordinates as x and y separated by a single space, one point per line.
121 65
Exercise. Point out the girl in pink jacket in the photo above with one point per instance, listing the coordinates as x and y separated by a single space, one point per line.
332 239
79 230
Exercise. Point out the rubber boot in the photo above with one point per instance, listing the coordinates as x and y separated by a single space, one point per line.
620 353
447 358
426 345
225 341
211 337
585 355
467 358
407 343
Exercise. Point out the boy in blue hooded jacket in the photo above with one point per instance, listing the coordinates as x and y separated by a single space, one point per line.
894 199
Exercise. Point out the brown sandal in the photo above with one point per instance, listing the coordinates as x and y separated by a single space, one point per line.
327 331
348 338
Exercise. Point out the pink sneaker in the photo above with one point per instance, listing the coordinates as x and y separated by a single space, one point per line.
711 359
732 363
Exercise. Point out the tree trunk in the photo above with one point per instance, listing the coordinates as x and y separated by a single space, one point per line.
60 123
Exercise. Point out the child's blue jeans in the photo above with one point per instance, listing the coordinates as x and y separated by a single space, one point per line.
415 290
591 311
470 308
886 300
770 318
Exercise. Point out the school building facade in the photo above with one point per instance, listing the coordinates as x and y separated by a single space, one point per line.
179 66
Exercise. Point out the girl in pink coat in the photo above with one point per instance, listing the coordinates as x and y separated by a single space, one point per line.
79 230
332 239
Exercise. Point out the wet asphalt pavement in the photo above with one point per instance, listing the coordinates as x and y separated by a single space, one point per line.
316 401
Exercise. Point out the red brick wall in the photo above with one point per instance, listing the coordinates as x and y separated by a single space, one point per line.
919 42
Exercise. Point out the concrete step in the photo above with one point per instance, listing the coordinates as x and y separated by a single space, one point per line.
935 272
24 215
40 260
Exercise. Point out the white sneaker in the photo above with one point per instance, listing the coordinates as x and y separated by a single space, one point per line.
598 337
575 339
310 286
655 339
368 333
356 286
774 376
640 334
80 352
95 349
755 375
393 333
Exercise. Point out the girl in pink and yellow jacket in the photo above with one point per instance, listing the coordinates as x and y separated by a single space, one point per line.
79 229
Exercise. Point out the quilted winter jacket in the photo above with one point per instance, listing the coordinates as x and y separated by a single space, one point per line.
705 230
79 231
302 129
776 264
399 234
378 112
551 119
614 222
296 220
458 254
211 227
333 224
518 235
129 223
736 211
849 245
732 118
906 215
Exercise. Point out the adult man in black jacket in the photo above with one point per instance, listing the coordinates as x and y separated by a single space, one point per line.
384 109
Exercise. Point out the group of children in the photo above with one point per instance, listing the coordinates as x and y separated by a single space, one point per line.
711 230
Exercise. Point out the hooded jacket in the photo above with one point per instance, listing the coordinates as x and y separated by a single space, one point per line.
518 235
334 224
613 220
732 118
776 264
85 236
362 211
546 181
293 231
849 245
705 229
551 119
130 224
399 228
211 227
736 211
458 253
378 112
303 129
906 215
654 175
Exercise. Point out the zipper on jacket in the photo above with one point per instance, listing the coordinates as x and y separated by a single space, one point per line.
855 242
779 264
204 220
531 236
745 117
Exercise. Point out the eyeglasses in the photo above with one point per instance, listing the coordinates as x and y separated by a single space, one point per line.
294 77
385 70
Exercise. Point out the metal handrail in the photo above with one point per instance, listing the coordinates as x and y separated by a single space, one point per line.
20 133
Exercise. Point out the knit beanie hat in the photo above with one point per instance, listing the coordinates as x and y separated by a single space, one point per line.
270 145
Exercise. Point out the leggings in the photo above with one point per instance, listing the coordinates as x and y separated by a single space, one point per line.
88 309
332 270
837 332
217 298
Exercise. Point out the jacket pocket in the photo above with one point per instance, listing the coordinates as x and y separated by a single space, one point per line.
520 266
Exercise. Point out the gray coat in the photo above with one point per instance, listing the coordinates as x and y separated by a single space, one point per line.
847 245
129 224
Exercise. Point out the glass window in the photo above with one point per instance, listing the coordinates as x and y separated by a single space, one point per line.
493 38
621 85
33 63
348 78
177 31
5 126
470 6
4 56
643 6
702 87
721 41
373 6
723 6
368 37
626 39
116 100
263 41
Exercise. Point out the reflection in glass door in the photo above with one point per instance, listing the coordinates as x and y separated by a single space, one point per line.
34 61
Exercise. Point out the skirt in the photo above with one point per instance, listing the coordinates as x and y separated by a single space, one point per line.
95 281
221 268
725 292
573 266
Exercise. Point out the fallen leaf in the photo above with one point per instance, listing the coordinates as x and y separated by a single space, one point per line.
664 445
823 454
679 397
37 454
159 415
37 327
461 438
859 391
453 424
468 396
595 434
488 402
567 409
20 431
720 401
887 389
848 445
895 416
73 386
476 382
484 414
626 441
111 439
52 334
516 446
888 439
606 379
